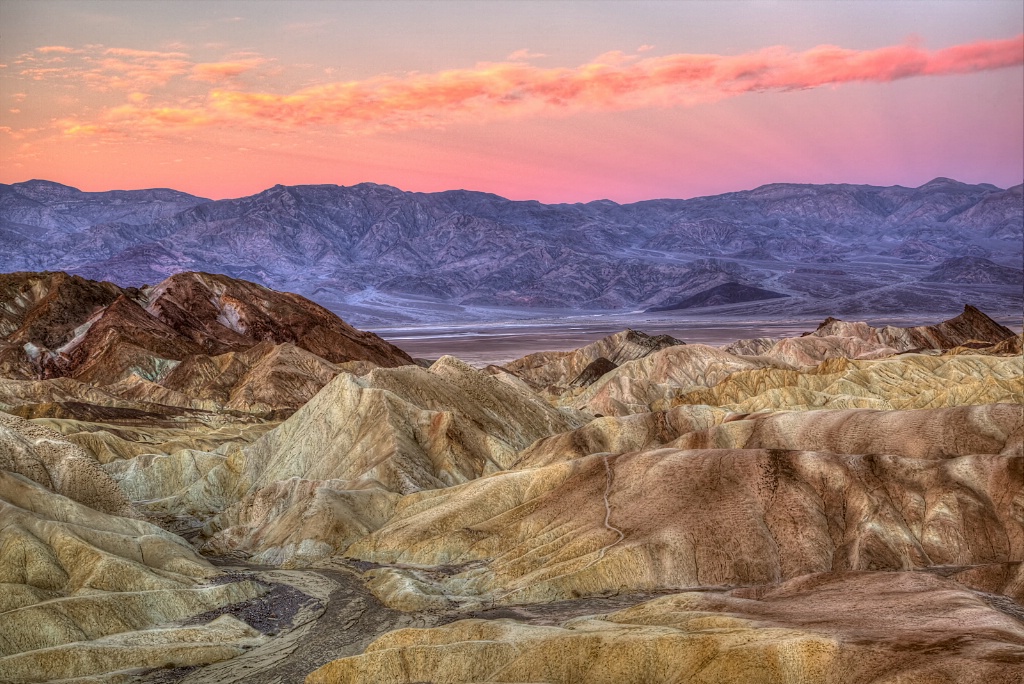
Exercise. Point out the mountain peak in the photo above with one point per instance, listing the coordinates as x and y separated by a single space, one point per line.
41 183
941 182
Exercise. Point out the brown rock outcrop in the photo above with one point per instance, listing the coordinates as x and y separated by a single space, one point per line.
263 378
44 309
226 314
209 341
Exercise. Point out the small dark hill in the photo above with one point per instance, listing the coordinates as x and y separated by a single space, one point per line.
974 270
727 293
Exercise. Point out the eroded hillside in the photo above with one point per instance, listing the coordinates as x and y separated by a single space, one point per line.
841 506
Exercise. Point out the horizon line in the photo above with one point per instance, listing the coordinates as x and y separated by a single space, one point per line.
509 199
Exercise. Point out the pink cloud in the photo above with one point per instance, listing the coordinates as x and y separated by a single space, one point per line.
144 54
43 74
216 72
116 68
524 55
614 81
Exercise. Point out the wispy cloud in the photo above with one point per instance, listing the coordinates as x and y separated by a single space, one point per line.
144 54
63 49
218 72
129 69
124 69
515 88
308 27
524 55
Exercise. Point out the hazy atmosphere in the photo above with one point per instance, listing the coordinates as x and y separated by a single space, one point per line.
552 101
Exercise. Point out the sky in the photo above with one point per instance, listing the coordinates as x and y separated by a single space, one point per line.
556 101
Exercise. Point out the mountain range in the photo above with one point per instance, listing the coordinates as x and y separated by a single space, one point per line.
377 254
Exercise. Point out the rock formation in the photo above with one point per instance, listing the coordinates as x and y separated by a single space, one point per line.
81 591
562 368
46 458
972 324
905 382
879 627
195 341
667 519
360 440
845 505
857 340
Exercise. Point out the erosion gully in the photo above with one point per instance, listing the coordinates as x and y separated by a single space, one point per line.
321 614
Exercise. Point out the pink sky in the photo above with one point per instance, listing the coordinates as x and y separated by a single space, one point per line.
557 105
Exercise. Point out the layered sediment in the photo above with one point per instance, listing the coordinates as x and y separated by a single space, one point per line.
841 506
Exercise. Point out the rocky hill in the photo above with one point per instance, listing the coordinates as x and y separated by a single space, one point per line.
380 253
210 481
194 340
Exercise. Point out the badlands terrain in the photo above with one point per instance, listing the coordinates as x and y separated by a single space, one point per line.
205 480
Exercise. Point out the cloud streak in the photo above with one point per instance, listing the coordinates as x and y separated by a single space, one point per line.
218 72
612 82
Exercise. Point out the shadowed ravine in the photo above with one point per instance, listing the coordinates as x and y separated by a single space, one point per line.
347 621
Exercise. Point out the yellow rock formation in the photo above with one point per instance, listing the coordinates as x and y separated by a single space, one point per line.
912 628
75 583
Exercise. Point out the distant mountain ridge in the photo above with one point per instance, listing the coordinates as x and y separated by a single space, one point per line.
378 253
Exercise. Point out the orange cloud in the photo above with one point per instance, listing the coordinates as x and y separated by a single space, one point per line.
127 69
158 118
215 72
57 48
76 129
144 54
612 82
523 55
130 121
43 74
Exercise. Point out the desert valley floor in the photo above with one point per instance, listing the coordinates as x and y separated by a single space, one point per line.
209 481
